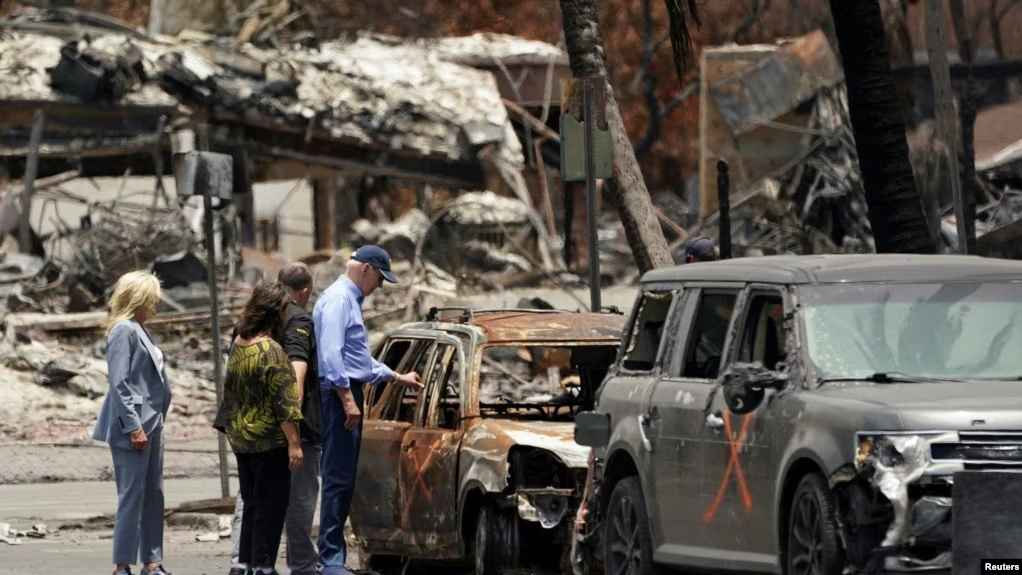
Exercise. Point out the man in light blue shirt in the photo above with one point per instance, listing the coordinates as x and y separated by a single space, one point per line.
345 366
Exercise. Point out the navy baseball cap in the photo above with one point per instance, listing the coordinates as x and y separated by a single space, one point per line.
701 249
376 257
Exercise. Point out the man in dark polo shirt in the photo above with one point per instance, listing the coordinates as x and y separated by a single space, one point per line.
299 342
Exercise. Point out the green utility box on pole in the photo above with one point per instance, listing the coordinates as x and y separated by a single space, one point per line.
587 154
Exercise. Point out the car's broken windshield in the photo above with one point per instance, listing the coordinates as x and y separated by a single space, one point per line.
541 382
952 331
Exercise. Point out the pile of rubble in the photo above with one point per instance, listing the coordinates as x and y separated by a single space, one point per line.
373 90
82 263
779 116
54 381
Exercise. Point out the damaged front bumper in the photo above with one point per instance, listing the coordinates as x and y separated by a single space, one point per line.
895 501
545 506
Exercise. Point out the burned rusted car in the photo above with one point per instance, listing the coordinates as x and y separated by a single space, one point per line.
481 466
808 415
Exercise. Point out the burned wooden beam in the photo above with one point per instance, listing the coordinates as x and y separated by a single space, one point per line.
96 321
289 144
31 170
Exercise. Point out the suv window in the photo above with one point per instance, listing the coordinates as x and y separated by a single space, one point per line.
708 335
763 336
644 338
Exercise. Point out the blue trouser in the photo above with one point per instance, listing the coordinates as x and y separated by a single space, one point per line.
338 466
138 529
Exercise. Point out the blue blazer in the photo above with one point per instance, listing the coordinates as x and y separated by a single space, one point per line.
139 394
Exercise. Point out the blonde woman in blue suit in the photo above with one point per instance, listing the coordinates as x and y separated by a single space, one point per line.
131 422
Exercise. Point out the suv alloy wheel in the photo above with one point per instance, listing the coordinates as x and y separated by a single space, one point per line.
814 547
627 542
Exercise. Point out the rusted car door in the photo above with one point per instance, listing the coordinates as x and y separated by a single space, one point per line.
390 413
429 457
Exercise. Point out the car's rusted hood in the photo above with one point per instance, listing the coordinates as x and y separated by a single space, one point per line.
497 436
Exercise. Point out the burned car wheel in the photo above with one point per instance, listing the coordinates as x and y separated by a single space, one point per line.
627 542
814 547
485 555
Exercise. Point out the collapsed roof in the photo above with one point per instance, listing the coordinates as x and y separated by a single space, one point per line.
375 103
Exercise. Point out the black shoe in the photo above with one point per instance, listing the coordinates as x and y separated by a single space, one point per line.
238 571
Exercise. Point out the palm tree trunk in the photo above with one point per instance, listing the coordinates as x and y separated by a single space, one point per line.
895 206
627 191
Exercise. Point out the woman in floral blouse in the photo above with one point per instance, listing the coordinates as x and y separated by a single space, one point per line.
259 415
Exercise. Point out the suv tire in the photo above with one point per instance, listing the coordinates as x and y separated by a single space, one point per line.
627 541
814 547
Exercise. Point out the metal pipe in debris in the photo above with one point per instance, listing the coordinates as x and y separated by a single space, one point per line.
594 248
724 200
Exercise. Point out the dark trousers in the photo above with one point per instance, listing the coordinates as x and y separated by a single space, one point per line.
265 487
338 466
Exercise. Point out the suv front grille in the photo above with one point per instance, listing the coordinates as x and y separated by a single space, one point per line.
982 449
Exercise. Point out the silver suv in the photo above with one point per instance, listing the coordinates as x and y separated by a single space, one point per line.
809 415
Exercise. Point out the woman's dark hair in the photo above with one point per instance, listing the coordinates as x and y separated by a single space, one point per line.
262 310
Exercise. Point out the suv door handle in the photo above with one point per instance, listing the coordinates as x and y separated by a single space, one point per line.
714 420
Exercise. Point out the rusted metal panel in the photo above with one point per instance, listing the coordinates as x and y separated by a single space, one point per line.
429 497
487 443
375 510
561 328
778 83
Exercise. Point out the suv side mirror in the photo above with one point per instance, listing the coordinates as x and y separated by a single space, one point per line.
744 385
592 429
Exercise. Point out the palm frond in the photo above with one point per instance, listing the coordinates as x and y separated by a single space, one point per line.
682 13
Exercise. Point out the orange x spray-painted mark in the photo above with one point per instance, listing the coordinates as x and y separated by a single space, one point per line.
734 466
418 486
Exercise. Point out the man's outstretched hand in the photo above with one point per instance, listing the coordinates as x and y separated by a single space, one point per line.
410 379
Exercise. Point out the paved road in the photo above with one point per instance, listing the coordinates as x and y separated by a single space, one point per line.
56 503
88 553
75 552
81 552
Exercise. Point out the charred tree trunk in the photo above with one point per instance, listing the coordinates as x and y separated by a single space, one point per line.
895 206
967 119
627 192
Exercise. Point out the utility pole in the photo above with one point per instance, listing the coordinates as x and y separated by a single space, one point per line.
214 306
207 174
944 106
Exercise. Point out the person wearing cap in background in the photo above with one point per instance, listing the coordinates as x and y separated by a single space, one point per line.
699 249
345 366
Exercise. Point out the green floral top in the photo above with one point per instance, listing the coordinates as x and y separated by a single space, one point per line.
260 393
